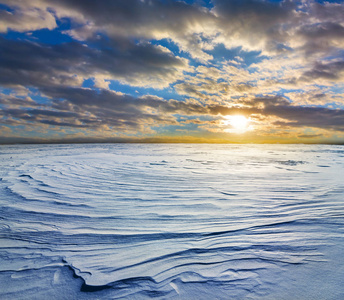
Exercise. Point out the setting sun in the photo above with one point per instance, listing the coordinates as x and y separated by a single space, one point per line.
238 122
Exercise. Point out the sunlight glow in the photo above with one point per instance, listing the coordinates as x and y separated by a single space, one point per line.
238 122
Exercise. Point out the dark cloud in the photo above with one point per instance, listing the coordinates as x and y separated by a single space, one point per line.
32 64
15 101
330 71
283 26
326 38
131 16
209 88
113 102
322 30
145 20
255 24
310 136
87 108
262 102
301 116
264 13
326 11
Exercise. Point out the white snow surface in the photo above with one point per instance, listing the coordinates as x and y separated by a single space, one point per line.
171 221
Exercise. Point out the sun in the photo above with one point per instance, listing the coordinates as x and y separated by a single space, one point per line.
238 122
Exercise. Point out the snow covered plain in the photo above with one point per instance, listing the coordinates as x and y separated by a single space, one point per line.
183 221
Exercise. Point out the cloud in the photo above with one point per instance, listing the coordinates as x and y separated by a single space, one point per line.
32 64
271 27
13 101
332 71
316 97
191 27
255 25
186 25
316 117
87 108
25 16
310 136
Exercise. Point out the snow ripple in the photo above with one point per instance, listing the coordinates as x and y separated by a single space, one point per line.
170 220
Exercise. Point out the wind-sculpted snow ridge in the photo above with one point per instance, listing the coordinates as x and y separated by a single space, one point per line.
171 222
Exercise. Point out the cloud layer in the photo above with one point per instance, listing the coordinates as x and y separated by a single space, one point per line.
148 68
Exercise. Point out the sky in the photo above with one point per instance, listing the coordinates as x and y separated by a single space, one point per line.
236 71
